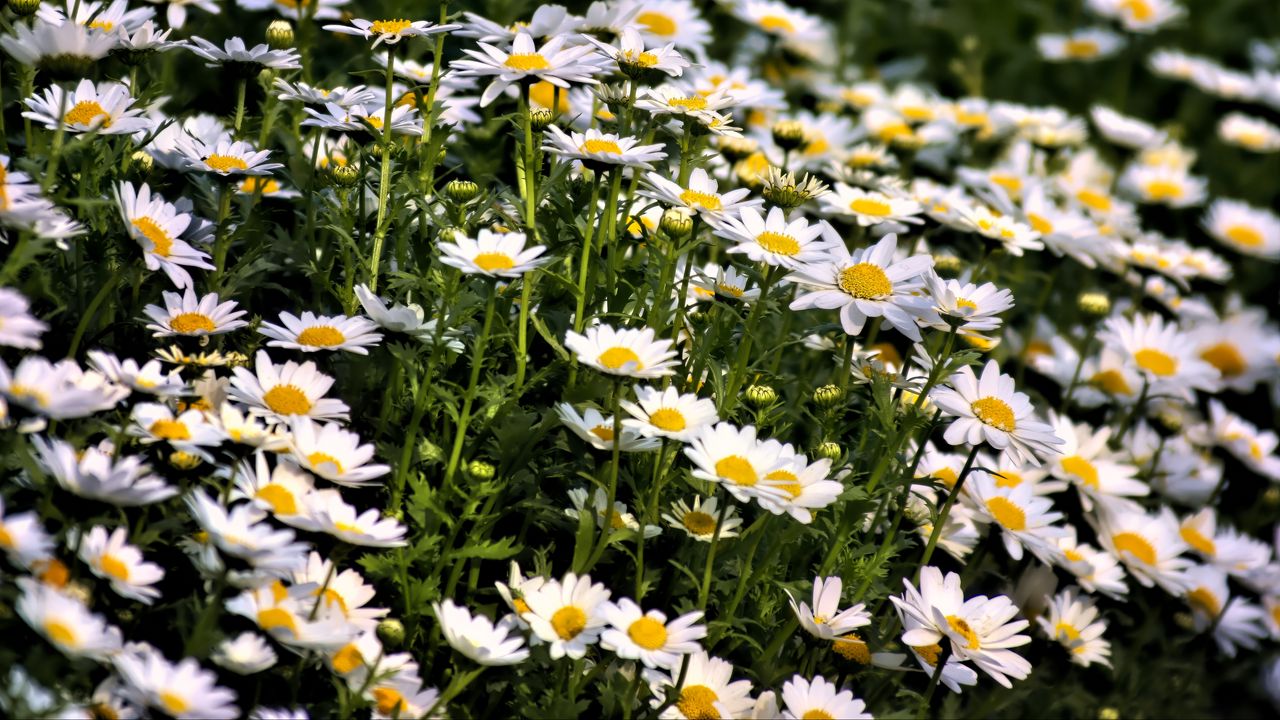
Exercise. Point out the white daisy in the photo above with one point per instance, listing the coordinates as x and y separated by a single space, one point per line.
825 620
1073 621
734 458
700 195
991 410
285 391
820 699
602 151
333 453
553 62
774 240
623 351
65 622
18 327
492 254
478 637
668 414
111 558
634 634
598 430
698 520
567 614
390 31
312 333
158 226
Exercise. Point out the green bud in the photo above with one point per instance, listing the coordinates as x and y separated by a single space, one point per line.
676 223
737 148
344 175
830 450
280 35
541 118
761 395
1095 305
141 163
66 66
481 470
789 134
1271 496
23 8
828 395
461 191
391 633
1170 420
947 266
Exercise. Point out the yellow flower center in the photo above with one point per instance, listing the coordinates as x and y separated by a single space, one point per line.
648 633
596 145
696 199
1197 540
520 605
616 357
995 412
526 62
644 59
1040 224
273 618
1008 479
737 470
691 103
817 714
1138 10
493 261
1066 633
947 476
776 24
52 572
569 622
1156 362
668 419
778 243
114 567
929 653
389 27
321 336
961 626
1244 235
871 206
282 501
85 112
170 429
698 702
543 94
174 704
851 647
1082 469
103 25
1163 190
266 186
1080 49
287 400
1111 382
897 131
18 391
191 323
699 523
967 304
347 659
316 459
161 243
1226 357
1135 545
604 432
1203 599
865 281
1007 513
61 633
389 701
1094 199
226 163
1073 555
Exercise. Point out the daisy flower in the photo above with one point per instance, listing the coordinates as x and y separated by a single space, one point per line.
18 327
870 207
408 319
96 474
975 307
867 283
1235 622
158 226
1162 185
619 519
567 614
698 519
333 453
1149 546
235 54
820 699
403 696
283 491
989 409
312 333
286 614
105 108
1095 570
825 620
183 691
478 637
1161 353
65 622
602 151
668 414
597 430
111 558
225 158
806 485
1081 45
23 538
1088 462
1225 548
681 101
709 690
282 392
146 378
553 62
634 634
1139 16
1249 132
331 515
246 654
701 195
733 457
1124 130
370 117
60 390
774 240
492 254
1025 519
1244 228
634 60
64 44
189 431
390 31
240 532
193 316
627 352
514 590
1074 623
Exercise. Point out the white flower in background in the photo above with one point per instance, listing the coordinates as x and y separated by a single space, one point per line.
1083 45
234 52
567 614
492 254
623 351
553 62
820 699
314 333
105 108
246 654
65 622
390 31
1073 621
113 559
18 327
989 409
598 430
477 637
634 634
825 620
97 474
182 690
333 453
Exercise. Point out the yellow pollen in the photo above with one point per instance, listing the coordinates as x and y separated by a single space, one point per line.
871 206
995 412
1011 183
865 281
1008 479
778 243
52 572
959 625
569 622
699 523
947 476
85 112
1066 634
897 131
316 459
691 103
347 659
520 605
738 470
1007 513
604 432
696 199
331 596
851 647
1111 382
389 701
174 704
667 419
929 653
287 400
225 163
644 59
1094 199
1073 555
104 25
1135 545
1080 49
1138 10
776 24
1244 235
321 336
493 261
1203 599
279 498
1156 362
616 521
266 186
526 62
1082 469
389 27
170 430
817 714
1163 190
1226 357
61 633
1039 224
616 357
1196 539
731 290
967 304
648 633
657 23
114 567
161 243
273 618
18 391
601 146
698 702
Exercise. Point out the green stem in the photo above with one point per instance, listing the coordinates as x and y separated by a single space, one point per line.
927 698
744 346
647 517
946 510
611 494
530 172
107 288
522 332
239 117
464 416
705 593
222 238
384 184
55 152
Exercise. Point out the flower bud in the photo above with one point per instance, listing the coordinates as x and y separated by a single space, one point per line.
391 633
1108 713
1170 419
280 35
541 118
461 191
761 395
737 148
184 460
141 163
676 223
1095 305
829 450
789 134
23 8
1271 496
828 395
344 175
481 470
947 266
